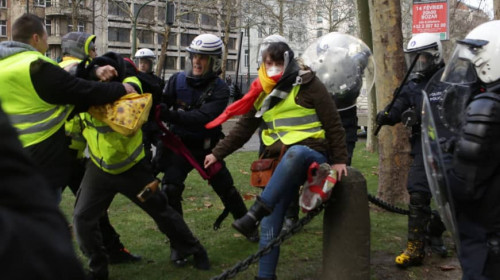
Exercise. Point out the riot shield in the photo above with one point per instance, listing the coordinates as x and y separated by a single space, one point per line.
344 64
435 170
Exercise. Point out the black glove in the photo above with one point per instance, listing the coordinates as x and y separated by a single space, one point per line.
383 118
235 92
166 114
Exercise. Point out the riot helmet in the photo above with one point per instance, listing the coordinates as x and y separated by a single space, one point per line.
275 38
476 57
144 58
204 46
429 50
78 44
344 64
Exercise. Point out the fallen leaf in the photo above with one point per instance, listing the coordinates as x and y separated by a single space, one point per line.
191 198
447 267
237 235
208 204
249 196
244 172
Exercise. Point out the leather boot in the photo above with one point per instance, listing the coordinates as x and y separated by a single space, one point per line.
418 220
248 224
434 236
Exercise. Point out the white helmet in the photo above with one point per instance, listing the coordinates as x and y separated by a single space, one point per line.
145 53
275 38
477 56
428 46
207 44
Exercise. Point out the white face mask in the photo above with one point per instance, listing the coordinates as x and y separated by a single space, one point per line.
273 71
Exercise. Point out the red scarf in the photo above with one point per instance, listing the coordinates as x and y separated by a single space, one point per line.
241 106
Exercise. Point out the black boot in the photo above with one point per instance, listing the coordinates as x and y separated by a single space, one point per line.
248 224
260 278
434 236
418 220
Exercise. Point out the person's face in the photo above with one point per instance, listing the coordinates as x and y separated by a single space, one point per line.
273 67
200 64
92 52
40 42
145 65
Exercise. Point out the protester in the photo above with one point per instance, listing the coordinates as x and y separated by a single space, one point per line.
35 93
298 112
196 96
77 47
118 165
34 238
473 71
407 110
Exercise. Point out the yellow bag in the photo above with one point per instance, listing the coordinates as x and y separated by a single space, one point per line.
127 114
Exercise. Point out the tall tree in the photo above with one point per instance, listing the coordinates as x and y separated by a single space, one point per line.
394 159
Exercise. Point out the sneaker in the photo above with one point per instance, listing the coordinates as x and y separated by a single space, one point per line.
413 255
288 223
123 256
201 259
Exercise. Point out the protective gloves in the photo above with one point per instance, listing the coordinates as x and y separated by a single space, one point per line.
167 115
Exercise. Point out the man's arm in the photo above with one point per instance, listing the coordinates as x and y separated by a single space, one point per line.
54 85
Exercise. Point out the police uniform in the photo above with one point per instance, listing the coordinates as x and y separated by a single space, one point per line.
195 103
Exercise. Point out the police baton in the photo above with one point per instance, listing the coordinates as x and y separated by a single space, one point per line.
398 90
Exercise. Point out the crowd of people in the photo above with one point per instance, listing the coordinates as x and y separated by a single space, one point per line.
51 141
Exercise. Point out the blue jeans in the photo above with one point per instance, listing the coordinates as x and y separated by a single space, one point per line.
289 175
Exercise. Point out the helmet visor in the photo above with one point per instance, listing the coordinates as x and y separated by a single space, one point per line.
460 69
425 61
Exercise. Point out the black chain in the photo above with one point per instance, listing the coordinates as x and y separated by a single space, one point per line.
284 235
387 206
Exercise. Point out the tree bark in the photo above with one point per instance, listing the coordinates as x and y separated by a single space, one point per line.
365 31
393 143
496 9
163 52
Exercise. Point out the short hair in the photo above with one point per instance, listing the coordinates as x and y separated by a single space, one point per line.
25 26
276 51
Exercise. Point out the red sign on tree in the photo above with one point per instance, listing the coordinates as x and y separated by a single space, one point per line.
430 16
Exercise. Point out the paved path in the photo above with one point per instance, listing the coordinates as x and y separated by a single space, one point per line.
251 145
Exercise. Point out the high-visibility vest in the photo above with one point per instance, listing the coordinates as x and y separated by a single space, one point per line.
34 119
74 127
109 150
289 122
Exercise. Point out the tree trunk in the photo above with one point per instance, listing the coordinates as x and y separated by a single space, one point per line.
163 52
393 145
365 32
496 9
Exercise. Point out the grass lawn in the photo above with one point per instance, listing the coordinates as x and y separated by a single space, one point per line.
300 255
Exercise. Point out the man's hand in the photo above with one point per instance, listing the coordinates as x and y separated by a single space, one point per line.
340 168
129 88
166 114
382 118
106 73
209 160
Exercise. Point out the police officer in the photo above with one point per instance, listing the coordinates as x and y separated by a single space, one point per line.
406 109
77 47
144 59
474 72
191 99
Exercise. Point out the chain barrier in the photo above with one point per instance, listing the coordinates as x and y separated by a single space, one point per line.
284 235
387 206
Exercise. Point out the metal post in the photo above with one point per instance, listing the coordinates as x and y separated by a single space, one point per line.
134 27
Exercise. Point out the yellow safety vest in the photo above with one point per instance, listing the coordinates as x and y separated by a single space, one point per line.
34 119
109 150
289 122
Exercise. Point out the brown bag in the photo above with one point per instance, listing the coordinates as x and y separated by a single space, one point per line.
263 168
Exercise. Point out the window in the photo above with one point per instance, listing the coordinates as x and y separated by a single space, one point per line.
172 39
39 3
162 14
171 63
48 3
208 20
80 3
319 33
145 36
3 28
118 8
247 58
3 3
48 26
147 12
81 26
118 34
186 39
183 62
231 44
230 65
189 17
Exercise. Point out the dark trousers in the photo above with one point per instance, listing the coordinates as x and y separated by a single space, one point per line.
96 193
